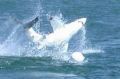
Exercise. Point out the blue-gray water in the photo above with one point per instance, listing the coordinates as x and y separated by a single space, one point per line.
100 38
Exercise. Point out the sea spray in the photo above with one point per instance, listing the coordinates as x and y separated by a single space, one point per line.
83 40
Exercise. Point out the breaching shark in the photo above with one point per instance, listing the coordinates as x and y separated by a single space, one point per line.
59 37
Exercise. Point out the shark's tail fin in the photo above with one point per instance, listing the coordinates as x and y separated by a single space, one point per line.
31 23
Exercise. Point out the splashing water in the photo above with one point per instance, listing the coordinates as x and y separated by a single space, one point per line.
12 45
86 49
83 38
17 44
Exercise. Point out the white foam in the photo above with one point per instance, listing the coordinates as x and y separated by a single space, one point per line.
78 56
92 50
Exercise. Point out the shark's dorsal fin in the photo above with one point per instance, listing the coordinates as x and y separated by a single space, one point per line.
56 22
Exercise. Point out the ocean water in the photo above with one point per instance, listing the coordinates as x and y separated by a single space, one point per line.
98 40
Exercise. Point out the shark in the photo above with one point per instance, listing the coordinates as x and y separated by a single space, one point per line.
61 35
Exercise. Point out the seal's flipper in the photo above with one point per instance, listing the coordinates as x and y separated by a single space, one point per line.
31 23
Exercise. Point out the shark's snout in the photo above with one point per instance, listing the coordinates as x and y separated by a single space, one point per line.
83 20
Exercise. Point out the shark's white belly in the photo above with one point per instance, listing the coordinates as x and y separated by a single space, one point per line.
63 34
60 36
